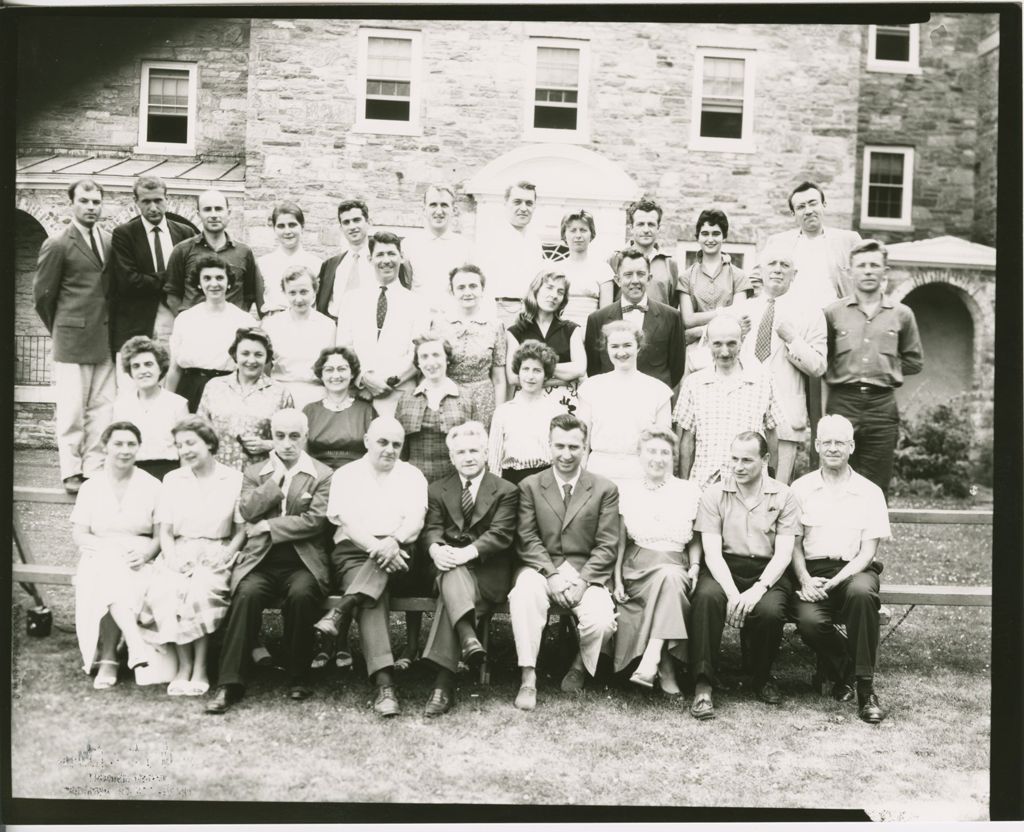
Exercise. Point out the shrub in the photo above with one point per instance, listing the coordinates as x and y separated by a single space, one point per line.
933 454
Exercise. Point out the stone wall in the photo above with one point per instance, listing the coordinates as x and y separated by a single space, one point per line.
302 106
938 113
34 425
79 77
985 169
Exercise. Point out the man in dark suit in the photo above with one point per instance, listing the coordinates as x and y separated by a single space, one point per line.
663 353
351 269
284 505
70 290
568 537
471 522
140 249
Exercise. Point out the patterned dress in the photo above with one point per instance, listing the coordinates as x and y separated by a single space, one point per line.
478 346
189 594
235 412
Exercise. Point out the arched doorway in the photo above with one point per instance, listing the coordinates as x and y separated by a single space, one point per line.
567 177
947 339
32 341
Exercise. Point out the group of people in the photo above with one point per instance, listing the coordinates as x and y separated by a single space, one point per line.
426 416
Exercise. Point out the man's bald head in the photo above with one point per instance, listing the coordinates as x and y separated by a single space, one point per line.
725 337
724 325
384 440
289 419
288 431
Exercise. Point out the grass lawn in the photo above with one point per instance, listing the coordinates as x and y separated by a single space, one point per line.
612 745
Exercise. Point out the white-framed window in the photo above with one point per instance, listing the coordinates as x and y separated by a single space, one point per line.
887 185
557 83
390 81
894 48
167 107
741 254
723 100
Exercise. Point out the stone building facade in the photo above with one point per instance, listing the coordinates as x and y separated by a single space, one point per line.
279 110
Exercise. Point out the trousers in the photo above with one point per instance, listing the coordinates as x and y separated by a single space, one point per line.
281 572
854 603
458 596
876 428
528 605
85 398
357 574
762 629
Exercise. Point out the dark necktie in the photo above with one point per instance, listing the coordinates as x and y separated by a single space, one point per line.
763 344
467 503
382 309
159 251
567 492
632 307
95 248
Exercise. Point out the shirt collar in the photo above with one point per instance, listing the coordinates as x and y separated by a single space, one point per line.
748 375
643 304
768 485
162 225
562 483
448 388
232 381
887 302
449 234
854 484
303 465
83 230
206 243
655 250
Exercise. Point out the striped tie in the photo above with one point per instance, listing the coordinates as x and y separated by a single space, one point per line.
467 503
763 344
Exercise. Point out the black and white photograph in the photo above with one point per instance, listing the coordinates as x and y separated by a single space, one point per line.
509 407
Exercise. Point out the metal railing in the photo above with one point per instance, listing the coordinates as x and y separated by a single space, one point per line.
32 359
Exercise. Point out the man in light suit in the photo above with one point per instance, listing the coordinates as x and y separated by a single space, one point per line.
137 268
470 526
822 254
70 291
786 338
352 268
663 353
568 537
284 505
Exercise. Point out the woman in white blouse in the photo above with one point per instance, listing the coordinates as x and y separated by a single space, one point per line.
203 333
201 533
299 334
288 222
657 565
591 280
518 445
151 408
113 526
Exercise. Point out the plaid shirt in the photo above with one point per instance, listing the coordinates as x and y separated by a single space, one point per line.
426 429
715 408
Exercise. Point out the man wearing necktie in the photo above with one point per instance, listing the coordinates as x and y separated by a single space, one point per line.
787 339
470 526
568 537
663 352
70 290
140 249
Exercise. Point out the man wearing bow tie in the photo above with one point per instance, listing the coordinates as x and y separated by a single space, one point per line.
70 290
284 505
471 522
786 339
663 353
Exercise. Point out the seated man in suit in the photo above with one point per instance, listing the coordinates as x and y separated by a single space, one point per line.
747 523
568 537
284 505
663 354
140 249
844 519
379 504
471 522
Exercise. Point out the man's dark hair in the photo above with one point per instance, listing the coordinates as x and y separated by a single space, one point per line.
805 186
871 246
632 254
523 185
566 421
85 184
148 183
642 204
349 204
384 238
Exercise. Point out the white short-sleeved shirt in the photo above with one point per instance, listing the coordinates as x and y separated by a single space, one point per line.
98 507
205 508
297 344
201 337
390 353
380 504
154 417
272 267
520 433
432 258
621 407
837 520
510 259
661 519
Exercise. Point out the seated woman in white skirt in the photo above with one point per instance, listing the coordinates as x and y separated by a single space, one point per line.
113 525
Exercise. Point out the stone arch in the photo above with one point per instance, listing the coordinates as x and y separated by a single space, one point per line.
567 176
29 234
41 214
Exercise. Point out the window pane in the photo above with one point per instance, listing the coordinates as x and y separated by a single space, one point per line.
557 96
168 91
892 43
389 58
720 125
885 186
170 129
723 78
721 103
387 109
555 118
558 67
398 89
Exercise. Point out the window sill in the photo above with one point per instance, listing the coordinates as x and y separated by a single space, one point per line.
722 145
165 149
869 223
893 67
388 128
539 134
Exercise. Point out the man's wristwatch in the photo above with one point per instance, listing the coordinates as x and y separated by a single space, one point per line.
392 381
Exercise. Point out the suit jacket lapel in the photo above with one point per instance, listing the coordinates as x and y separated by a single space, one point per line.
83 245
484 498
552 494
299 486
451 494
580 495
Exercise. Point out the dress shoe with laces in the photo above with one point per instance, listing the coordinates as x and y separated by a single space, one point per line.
73 483
870 710
842 692
386 704
328 625
768 693
473 653
223 698
439 703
